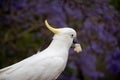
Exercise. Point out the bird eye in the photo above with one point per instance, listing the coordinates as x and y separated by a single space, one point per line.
72 35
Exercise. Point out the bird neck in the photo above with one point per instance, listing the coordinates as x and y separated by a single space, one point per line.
60 44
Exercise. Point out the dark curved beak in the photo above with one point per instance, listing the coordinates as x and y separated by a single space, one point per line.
74 42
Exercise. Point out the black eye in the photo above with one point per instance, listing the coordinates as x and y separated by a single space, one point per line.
72 35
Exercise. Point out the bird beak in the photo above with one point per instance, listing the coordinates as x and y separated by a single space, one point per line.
76 46
75 41
54 30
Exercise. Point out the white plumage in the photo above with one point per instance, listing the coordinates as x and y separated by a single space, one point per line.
45 65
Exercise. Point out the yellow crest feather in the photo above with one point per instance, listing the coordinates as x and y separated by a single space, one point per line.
54 30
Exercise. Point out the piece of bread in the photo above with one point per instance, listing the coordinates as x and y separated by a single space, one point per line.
77 48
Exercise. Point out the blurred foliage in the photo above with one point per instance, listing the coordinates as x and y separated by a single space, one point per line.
115 3
23 33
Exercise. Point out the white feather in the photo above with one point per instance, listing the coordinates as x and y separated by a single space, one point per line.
45 65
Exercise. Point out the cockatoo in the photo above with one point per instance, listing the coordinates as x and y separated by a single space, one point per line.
47 64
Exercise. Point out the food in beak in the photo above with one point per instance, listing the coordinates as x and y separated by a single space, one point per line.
77 48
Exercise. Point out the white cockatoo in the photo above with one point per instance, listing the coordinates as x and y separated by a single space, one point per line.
47 64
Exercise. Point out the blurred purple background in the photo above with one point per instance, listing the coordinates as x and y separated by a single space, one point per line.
97 22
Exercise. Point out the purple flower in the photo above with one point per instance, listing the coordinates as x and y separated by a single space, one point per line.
88 24
100 27
58 22
113 67
87 62
116 54
113 61
96 47
18 5
113 55
41 9
75 12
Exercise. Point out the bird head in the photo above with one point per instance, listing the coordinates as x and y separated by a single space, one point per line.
65 35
